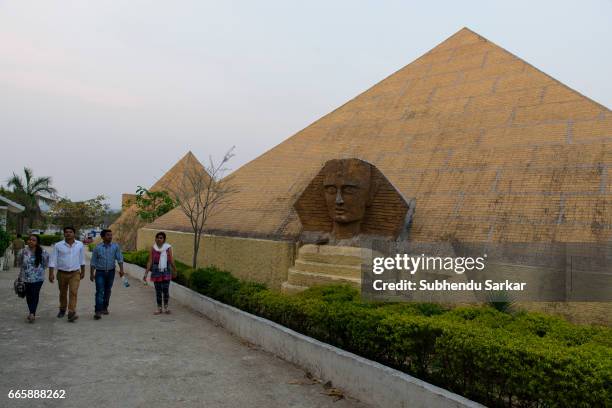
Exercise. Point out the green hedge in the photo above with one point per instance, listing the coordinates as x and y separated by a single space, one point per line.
48 240
140 258
5 241
498 359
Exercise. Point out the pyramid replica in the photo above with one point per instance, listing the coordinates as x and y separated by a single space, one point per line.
125 228
490 148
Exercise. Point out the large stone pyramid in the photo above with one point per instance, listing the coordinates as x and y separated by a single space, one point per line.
492 149
125 228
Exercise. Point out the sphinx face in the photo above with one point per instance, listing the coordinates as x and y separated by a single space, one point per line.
347 186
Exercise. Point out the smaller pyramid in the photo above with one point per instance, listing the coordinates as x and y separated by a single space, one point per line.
125 228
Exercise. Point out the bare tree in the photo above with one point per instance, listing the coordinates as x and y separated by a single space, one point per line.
200 195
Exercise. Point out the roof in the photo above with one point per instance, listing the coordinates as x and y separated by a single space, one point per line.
11 205
491 148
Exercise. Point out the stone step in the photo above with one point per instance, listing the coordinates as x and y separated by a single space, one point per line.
351 271
331 254
301 278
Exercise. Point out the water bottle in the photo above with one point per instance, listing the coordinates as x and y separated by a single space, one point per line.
126 282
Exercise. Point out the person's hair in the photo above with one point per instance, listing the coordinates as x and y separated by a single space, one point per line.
161 234
104 232
71 228
37 251
18 235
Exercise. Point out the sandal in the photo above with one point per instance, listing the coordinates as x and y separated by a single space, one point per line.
167 311
30 318
158 311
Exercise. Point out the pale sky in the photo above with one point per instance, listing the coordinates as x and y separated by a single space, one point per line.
107 95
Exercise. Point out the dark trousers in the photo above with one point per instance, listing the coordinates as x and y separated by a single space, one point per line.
104 284
32 291
162 292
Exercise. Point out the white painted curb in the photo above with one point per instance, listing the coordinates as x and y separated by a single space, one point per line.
366 380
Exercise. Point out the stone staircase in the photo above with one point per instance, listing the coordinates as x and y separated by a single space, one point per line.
323 265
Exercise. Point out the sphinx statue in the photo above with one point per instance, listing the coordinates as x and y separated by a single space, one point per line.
346 209
350 200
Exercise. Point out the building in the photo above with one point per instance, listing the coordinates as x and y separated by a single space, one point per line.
491 148
126 226
7 206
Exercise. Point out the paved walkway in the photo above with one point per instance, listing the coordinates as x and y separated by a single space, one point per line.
134 359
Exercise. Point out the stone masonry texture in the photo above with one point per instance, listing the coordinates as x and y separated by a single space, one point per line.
126 226
491 148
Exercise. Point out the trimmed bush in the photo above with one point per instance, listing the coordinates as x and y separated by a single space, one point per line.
496 358
5 241
136 257
140 258
48 240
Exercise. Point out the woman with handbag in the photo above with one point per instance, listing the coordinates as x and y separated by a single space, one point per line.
34 261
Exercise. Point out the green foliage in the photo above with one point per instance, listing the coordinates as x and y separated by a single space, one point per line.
498 359
48 240
220 285
136 257
153 204
183 273
5 241
92 245
140 258
30 191
78 214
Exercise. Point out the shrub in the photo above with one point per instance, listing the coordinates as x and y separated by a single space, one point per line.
5 241
136 257
496 358
48 240
183 273
141 257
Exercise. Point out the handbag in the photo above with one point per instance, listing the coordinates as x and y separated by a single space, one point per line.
19 287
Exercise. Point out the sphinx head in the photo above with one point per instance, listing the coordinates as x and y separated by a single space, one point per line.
348 190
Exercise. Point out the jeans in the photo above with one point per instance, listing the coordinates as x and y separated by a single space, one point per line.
32 291
104 284
162 292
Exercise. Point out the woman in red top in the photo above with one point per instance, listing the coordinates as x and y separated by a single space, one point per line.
162 268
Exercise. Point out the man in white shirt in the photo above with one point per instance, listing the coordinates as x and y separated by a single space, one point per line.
68 256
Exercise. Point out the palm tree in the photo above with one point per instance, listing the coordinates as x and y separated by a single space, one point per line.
31 192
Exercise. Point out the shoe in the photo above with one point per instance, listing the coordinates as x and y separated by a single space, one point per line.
30 318
97 316
72 316
61 314
158 311
105 312
167 311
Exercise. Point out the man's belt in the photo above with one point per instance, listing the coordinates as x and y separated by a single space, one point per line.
76 270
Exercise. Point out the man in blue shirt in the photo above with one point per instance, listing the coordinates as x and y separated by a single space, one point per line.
102 269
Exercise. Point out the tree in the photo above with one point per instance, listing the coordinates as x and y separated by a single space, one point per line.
202 194
30 192
78 214
152 204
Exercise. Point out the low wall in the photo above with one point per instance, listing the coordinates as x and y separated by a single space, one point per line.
258 260
370 382
268 262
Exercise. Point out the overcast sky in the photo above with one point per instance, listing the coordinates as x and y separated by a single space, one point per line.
107 95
